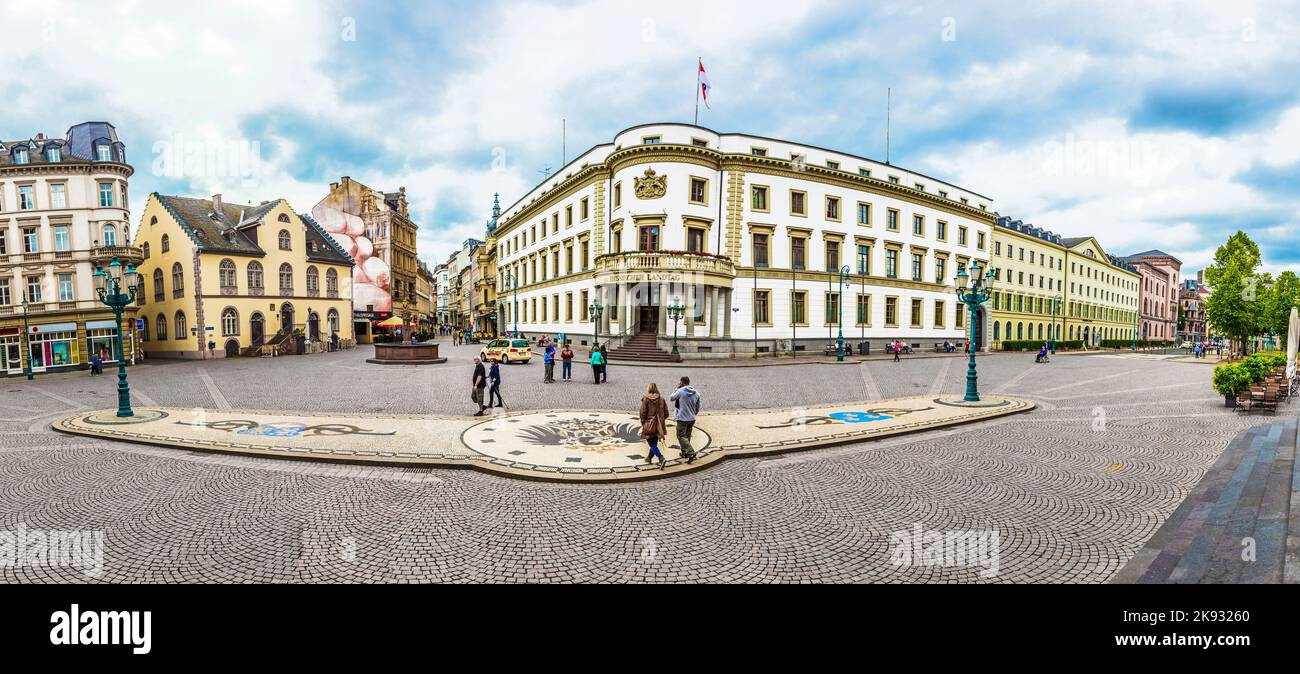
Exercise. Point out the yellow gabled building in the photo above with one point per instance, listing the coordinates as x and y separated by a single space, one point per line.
222 279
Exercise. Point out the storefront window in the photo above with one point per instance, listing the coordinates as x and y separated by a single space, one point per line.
54 347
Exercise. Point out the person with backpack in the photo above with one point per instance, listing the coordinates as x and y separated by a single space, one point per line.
566 360
686 403
604 363
654 415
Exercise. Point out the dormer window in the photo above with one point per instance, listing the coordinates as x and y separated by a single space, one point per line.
20 155
652 140
103 153
54 154
832 165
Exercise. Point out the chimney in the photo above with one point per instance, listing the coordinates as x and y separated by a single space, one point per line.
216 204
40 136
334 186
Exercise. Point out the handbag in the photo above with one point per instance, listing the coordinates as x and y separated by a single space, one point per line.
649 428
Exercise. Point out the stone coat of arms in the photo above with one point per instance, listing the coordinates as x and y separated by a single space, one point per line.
651 185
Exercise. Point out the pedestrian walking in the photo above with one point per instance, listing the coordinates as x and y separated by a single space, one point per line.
479 383
597 363
686 404
548 361
96 365
897 348
566 360
604 363
494 385
654 415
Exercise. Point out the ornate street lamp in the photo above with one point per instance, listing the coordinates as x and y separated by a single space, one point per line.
512 283
109 287
839 320
594 311
675 313
973 290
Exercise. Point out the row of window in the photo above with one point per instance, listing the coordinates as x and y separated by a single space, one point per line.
541 266
862 316
58 196
21 154
230 325
528 237
761 250
65 290
31 241
799 160
226 278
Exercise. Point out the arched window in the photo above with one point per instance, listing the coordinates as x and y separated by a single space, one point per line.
254 275
166 243
313 280
181 325
283 218
144 332
227 273
110 236
159 290
229 322
286 277
333 318
1020 330
161 326
332 282
996 330
153 221
145 250
284 239
178 280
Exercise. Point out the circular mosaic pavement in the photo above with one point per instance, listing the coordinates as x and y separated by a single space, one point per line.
110 418
571 441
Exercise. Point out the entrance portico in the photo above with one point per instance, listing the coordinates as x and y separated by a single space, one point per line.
636 288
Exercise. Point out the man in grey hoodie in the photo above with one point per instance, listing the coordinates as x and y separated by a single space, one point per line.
686 400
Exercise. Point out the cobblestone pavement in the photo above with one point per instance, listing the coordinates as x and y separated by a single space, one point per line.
1073 488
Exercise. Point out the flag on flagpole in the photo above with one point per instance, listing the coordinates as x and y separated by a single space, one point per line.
704 85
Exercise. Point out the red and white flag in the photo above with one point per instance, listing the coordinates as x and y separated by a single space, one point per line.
704 84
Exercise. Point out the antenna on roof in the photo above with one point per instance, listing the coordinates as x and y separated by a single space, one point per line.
564 141
888 101
546 171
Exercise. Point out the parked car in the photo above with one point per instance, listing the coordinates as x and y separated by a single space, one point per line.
506 351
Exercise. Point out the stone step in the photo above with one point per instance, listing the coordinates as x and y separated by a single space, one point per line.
1249 500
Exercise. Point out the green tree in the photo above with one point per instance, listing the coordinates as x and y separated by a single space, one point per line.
1284 295
1234 306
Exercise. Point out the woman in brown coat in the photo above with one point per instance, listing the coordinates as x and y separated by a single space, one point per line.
654 419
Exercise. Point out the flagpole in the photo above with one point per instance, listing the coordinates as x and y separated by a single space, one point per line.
699 63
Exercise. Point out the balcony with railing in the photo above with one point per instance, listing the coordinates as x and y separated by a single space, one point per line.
124 254
665 261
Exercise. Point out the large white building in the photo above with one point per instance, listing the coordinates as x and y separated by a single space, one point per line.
63 210
749 235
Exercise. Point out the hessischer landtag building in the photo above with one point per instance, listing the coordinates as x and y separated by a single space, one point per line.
753 244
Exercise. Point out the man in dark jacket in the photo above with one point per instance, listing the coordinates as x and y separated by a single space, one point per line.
494 385
479 383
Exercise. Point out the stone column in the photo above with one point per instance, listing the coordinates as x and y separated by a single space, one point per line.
663 312
690 309
727 312
713 311
627 308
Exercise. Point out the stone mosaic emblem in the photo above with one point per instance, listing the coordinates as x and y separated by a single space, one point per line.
570 441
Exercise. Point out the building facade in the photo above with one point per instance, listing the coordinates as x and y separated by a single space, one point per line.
223 279
1066 289
427 297
443 284
1159 294
376 230
1191 304
1102 294
63 210
765 245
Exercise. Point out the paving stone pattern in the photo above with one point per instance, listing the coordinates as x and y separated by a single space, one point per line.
1074 488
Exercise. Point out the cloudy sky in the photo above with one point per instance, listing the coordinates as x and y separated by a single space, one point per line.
1146 125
